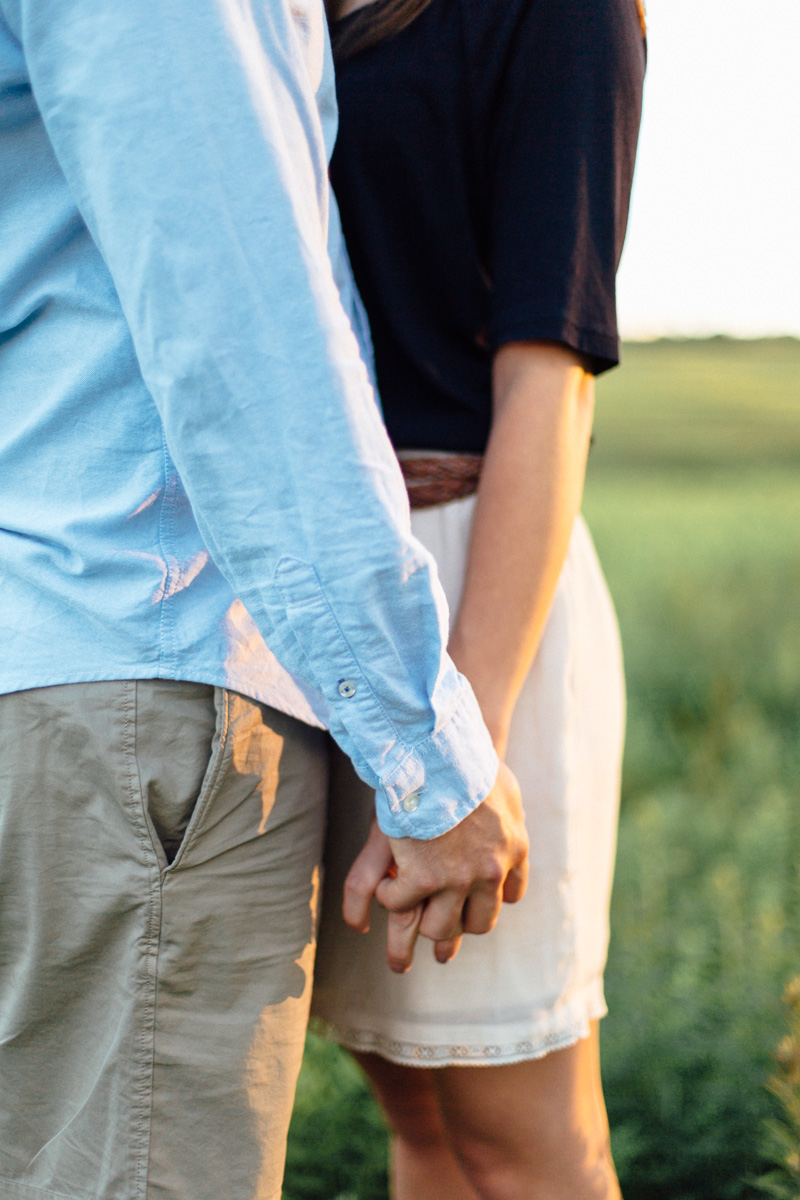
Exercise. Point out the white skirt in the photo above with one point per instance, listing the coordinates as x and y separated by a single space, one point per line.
535 982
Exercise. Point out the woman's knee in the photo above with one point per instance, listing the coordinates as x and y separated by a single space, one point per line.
408 1098
554 1163
535 1128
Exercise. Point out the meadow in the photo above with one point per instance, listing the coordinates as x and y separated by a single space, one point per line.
693 497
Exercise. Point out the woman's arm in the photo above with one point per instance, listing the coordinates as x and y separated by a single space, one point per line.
529 496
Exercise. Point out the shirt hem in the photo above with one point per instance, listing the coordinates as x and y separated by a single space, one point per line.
195 674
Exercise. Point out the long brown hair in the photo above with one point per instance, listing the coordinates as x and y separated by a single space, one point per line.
371 24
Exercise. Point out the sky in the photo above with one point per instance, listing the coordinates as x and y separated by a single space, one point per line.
714 235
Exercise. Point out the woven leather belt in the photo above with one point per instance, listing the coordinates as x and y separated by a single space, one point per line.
439 478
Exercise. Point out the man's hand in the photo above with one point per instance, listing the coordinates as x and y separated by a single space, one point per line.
445 887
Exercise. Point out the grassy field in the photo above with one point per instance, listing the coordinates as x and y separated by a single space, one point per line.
693 496
697 405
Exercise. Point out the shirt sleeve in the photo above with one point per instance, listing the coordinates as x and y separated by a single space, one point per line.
563 129
191 136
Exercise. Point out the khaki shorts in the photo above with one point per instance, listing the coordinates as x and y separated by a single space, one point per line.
159 849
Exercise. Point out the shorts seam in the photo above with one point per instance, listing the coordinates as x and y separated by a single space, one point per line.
146 1036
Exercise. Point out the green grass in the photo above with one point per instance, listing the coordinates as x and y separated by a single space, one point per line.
695 405
693 497
706 913
706 580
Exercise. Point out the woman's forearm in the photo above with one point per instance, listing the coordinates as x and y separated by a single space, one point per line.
529 496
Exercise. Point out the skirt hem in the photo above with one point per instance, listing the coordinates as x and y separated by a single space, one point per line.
483 1053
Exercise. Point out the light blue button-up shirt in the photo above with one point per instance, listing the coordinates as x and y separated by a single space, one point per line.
195 481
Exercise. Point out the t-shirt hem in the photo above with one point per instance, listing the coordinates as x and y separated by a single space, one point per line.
600 348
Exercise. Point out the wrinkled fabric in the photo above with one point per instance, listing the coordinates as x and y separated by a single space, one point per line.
152 1014
195 481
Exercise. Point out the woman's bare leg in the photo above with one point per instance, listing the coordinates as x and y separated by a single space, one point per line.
534 1129
423 1164
530 1131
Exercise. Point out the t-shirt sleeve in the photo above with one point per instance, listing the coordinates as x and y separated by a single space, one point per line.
561 143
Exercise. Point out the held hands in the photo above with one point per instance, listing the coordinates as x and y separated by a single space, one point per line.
445 887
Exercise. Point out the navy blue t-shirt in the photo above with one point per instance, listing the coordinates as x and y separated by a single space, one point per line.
483 170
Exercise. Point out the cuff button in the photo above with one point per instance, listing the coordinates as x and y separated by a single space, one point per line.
347 689
411 803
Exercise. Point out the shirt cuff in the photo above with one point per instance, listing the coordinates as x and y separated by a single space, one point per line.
443 779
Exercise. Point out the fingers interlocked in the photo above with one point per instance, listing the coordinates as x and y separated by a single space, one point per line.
442 888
